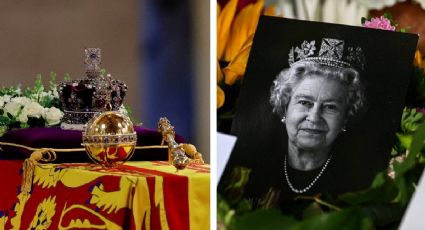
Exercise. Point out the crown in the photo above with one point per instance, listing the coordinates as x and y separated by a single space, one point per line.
332 52
83 99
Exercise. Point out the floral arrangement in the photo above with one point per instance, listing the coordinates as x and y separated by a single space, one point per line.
380 206
30 107
236 24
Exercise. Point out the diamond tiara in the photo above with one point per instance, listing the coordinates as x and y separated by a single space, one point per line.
332 52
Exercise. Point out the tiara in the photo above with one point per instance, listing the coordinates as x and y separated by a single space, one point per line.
331 53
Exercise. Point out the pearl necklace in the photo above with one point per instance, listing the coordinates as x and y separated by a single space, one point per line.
312 183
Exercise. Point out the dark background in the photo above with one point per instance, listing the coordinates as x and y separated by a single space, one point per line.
365 148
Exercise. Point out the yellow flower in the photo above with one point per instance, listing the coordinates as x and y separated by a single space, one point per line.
235 33
243 26
236 68
220 97
419 60
224 21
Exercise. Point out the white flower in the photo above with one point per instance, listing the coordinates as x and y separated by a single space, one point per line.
13 108
33 109
2 102
6 98
52 116
23 117
21 100
44 94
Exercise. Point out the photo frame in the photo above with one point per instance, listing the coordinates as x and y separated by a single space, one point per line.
358 153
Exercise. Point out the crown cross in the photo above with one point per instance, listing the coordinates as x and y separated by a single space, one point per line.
92 62
331 48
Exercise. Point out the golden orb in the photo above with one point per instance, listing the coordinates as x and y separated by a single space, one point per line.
109 138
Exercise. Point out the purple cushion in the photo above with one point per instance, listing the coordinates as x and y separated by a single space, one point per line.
55 137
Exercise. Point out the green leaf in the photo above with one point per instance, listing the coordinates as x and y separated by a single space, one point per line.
263 220
224 213
384 214
363 20
352 218
312 210
4 120
382 191
52 82
410 120
418 141
234 185
405 140
388 15
66 77
404 183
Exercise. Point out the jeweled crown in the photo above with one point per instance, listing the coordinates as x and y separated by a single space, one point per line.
83 99
332 52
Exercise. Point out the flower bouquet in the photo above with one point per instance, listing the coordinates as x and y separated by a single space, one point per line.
380 206
30 107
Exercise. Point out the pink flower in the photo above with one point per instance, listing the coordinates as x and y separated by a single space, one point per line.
421 110
382 23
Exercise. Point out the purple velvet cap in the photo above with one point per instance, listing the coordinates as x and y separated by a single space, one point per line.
55 137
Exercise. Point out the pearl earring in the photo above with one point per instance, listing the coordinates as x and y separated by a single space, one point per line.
344 130
283 119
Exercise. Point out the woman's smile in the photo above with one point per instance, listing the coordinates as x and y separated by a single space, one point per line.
313 131
316 113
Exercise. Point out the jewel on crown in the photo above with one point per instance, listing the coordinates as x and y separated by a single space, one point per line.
332 52
83 99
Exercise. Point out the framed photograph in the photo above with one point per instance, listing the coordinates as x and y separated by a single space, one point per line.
319 106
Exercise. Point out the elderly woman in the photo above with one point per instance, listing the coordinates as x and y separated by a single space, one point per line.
315 100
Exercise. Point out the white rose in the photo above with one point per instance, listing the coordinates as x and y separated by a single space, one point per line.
2 102
33 109
6 98
21 100
13 108
52 116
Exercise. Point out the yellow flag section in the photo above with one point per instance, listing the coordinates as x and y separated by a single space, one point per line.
198 190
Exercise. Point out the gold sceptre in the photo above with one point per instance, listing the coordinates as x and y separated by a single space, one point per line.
179 155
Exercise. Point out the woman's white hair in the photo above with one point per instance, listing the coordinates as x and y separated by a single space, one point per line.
287 79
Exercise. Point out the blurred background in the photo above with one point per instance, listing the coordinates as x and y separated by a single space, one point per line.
409 14
160 48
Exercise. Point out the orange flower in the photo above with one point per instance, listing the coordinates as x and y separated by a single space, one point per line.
235 32
419 60
224 21
236 68
220 97
243 26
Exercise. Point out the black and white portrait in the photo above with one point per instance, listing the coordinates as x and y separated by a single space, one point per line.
319 107
316 97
